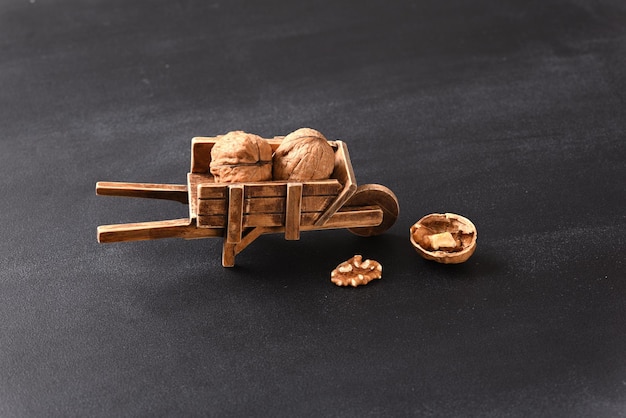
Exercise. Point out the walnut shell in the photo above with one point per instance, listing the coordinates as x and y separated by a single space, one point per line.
240 157
446 238
304 154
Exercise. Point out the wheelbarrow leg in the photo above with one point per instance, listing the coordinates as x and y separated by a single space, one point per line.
228 254
231 250
237 239
234 227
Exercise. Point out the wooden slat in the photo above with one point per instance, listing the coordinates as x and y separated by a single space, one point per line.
193 181
212 191
176 192
213 207
328 187
355 217
235 213
269 189
211 221
344 173
248 237
292 211
263 205
141 231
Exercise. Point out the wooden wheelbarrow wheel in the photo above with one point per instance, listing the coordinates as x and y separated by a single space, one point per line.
377 195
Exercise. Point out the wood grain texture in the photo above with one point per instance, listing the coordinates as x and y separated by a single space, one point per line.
235 213
293 207
261 198
208 189
141 231
380 196
345 174
176 192
345 218
263 205
241 212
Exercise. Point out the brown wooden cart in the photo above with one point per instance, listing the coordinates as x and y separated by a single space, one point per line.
241 212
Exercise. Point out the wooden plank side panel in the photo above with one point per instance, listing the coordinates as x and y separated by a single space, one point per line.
356 217
263 205
193 181
212 191
210 199
209 190
211 221
212 207
328 187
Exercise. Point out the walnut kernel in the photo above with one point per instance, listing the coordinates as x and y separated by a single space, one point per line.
442 240
356 272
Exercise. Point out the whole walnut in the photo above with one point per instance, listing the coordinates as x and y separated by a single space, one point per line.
304 154
241 157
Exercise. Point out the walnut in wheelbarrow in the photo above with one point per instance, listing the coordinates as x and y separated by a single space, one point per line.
303 155
241 157
447 238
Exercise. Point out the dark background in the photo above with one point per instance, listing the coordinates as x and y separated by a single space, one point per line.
510 113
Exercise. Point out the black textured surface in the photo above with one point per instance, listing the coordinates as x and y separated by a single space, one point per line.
510 113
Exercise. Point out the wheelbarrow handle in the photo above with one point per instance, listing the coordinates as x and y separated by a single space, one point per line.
176 192
141 231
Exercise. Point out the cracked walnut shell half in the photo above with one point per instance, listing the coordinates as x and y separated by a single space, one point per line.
356 272
446 238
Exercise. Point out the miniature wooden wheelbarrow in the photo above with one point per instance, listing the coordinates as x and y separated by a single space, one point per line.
241 212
